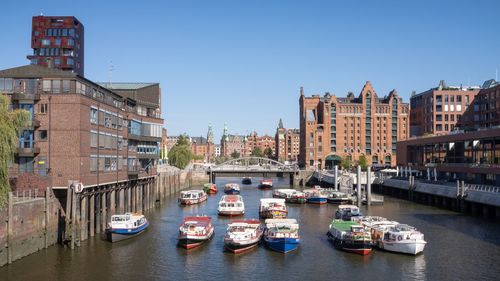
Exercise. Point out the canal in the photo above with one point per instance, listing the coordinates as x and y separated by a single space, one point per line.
458 248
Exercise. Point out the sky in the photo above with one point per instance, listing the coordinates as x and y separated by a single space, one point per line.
243 62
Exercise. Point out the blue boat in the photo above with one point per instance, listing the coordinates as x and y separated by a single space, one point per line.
126 226
232 188
314 196
282 235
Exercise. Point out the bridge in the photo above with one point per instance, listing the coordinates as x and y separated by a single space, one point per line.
253 167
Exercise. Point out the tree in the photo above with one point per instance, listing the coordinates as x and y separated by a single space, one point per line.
10 124
268 152
256 152
235 154
362 162
346 163
180 154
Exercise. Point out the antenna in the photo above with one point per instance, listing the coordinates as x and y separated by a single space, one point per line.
111 68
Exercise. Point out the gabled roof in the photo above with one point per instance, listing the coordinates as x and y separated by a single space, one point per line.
35 71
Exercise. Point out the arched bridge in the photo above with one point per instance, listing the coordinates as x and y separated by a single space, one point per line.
252 166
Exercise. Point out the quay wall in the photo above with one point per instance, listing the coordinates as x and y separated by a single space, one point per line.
65 216
27 226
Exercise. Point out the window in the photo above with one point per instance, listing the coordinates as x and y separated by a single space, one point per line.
47 86
66 85
93 163
93 115
42 135
58 42
45 42
71 42
70 61
56 86
44 108
25 165
93 139
57 61
452 117
64 32
42 166
71 32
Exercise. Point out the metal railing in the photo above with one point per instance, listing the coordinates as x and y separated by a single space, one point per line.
485 188
26 195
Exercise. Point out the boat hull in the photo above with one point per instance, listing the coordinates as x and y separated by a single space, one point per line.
273 214
190 242
282 245
317 200
299 200
231 191
265 186
338 201
246 181
192 201
116 235
360 248
231 213
240 247
410 248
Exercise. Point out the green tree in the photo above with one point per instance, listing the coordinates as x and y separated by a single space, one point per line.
10 124
180 154
235 154
346 163
362 162
268 152
256 152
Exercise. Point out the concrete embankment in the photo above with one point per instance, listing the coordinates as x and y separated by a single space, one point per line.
69 216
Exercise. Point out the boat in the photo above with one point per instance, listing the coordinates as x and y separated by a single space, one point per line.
399 238
350 236
266 184
232 188
290 195
282 235
231 205
194 231
314 196
125 226
210 188
337 197
246 180
346 212
190 197
242 235
272 208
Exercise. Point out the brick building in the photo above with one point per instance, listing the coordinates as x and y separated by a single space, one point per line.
80 130
287 143
58 41
262 142
333 128
438 110
484 111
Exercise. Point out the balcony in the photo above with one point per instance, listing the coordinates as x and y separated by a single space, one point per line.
28 151
33 123
26 96
144 138
147 156
134 170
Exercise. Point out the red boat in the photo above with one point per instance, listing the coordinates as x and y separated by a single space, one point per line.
266 184
210 188
194 231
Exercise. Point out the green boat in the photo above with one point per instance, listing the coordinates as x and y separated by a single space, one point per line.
210 188
350 236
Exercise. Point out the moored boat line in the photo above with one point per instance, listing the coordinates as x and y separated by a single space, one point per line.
290 195
125 226
242 235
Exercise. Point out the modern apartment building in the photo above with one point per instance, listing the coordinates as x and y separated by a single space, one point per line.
334 128
484 111
58 42
287 143
81 130
438 111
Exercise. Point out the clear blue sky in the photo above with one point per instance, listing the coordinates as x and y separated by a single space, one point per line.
242 62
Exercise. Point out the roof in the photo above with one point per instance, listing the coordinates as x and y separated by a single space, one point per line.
36 71
125 85
343 225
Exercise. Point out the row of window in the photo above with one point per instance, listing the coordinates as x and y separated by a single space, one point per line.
106 163
106 140
144 129
106 118
58 32
57 42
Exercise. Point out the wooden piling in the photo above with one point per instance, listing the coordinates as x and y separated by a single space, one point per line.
92 215
10 223
83 218
73 217
47 217
121 200
104 216
98 213
358 192
112 203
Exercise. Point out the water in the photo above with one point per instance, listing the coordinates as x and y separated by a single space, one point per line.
458 248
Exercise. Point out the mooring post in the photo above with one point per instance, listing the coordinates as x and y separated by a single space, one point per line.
428 174
104 216
358 192
47 217
83 218
336 174
97 212
129 199
435 174
368 186
92 214
121 199
10 224
74 217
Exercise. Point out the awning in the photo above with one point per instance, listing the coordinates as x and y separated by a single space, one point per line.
333 158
